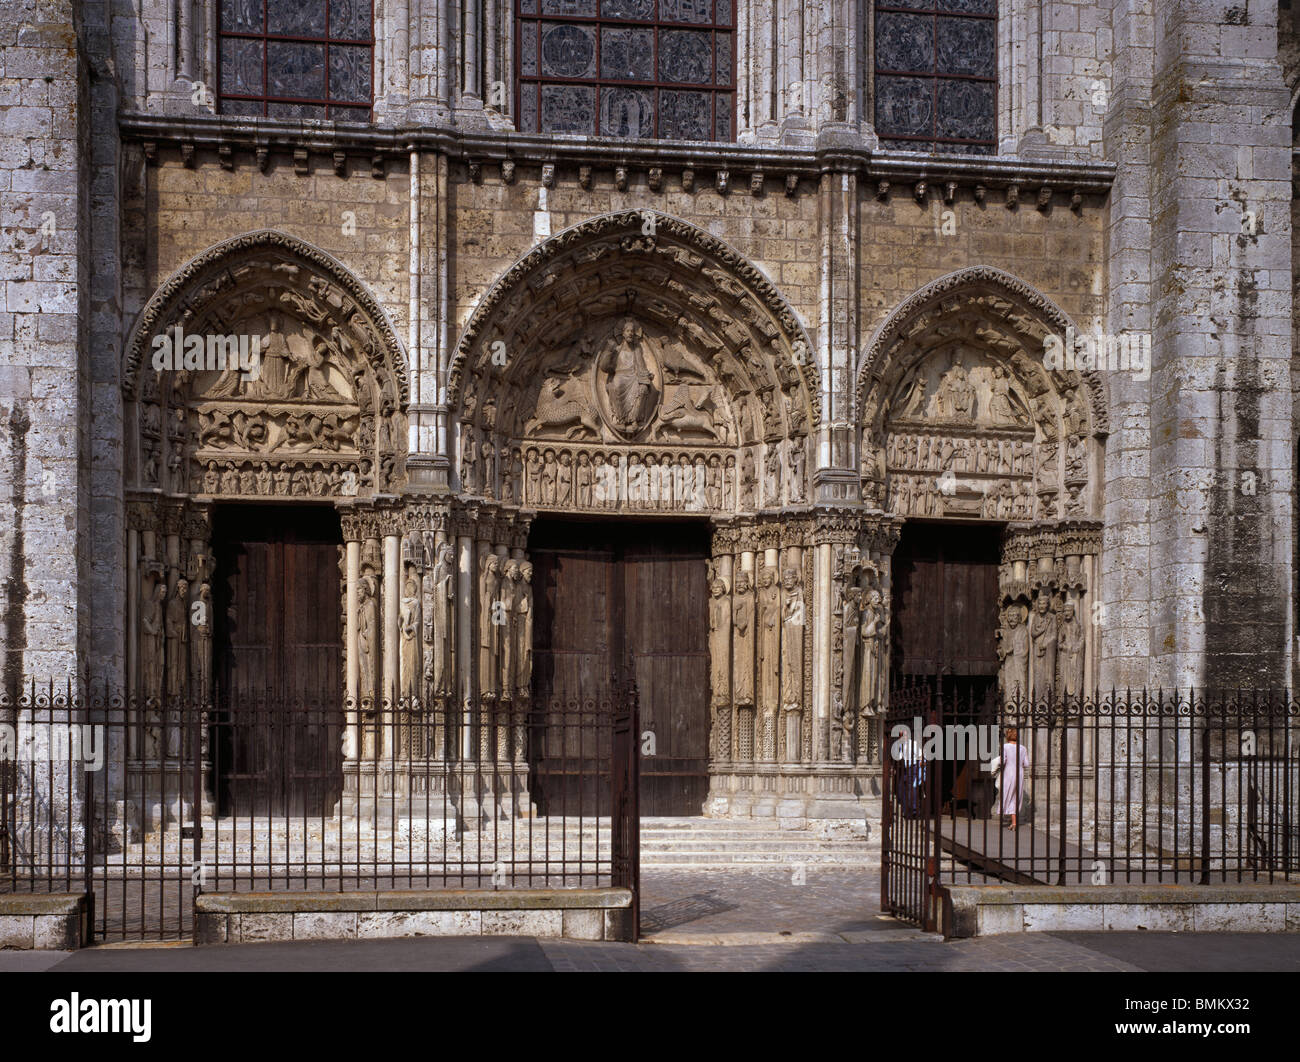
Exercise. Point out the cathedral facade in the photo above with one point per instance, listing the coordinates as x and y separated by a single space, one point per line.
460 351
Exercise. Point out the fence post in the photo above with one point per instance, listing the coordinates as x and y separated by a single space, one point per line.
1205 793
886 814
1065 784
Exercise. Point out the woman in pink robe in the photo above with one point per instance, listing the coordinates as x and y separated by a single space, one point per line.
1010 771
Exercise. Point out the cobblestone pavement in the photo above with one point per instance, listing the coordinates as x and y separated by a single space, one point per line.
1045 953
698 907
725 920
1030 953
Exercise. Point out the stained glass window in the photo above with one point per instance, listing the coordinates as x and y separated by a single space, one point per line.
936 75
627 68
296 58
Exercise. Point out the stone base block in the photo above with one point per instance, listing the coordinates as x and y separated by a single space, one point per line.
581 914
983 910
44 921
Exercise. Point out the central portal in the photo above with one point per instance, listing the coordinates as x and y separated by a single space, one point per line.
605 589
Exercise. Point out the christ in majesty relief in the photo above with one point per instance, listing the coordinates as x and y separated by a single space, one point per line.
628 381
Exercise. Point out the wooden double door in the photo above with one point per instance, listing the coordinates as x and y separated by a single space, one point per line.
277 725
945 604
603 590
944 629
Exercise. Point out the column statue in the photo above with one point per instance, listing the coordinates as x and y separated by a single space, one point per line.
742 618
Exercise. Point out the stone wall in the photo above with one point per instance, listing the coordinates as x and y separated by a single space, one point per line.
45 384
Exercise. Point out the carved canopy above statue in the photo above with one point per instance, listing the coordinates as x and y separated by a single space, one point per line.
959 416
321 414
634 362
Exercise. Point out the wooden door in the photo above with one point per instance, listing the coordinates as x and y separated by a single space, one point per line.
945 601
279 661
601 590
945 620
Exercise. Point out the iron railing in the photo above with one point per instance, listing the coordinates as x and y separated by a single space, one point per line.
1132 787
145 804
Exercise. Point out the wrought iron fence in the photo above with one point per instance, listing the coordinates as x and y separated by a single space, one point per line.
143 804
1195 787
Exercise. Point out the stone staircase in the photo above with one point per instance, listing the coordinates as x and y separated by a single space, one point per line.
684 844
722 844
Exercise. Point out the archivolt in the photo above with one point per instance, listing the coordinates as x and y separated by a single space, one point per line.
193 290
654 265
1007 315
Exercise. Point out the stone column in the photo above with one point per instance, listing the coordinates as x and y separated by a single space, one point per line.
391 641
351 738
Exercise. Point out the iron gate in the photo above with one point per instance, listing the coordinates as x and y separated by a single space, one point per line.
141 805
909 844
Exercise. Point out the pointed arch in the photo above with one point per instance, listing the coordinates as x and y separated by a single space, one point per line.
954 384
634 338
218 271
322 414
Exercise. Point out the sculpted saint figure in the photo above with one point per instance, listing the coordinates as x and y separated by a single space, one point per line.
793 621
719 642
628 381
491 623
769 634
178 637
524 632
1013 651
534 472
151 636
443 604
408 625
1043 632
201 642
548 478
872 634
564 480
742 618
851 613
1071 652
583 478
367 639
510 589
